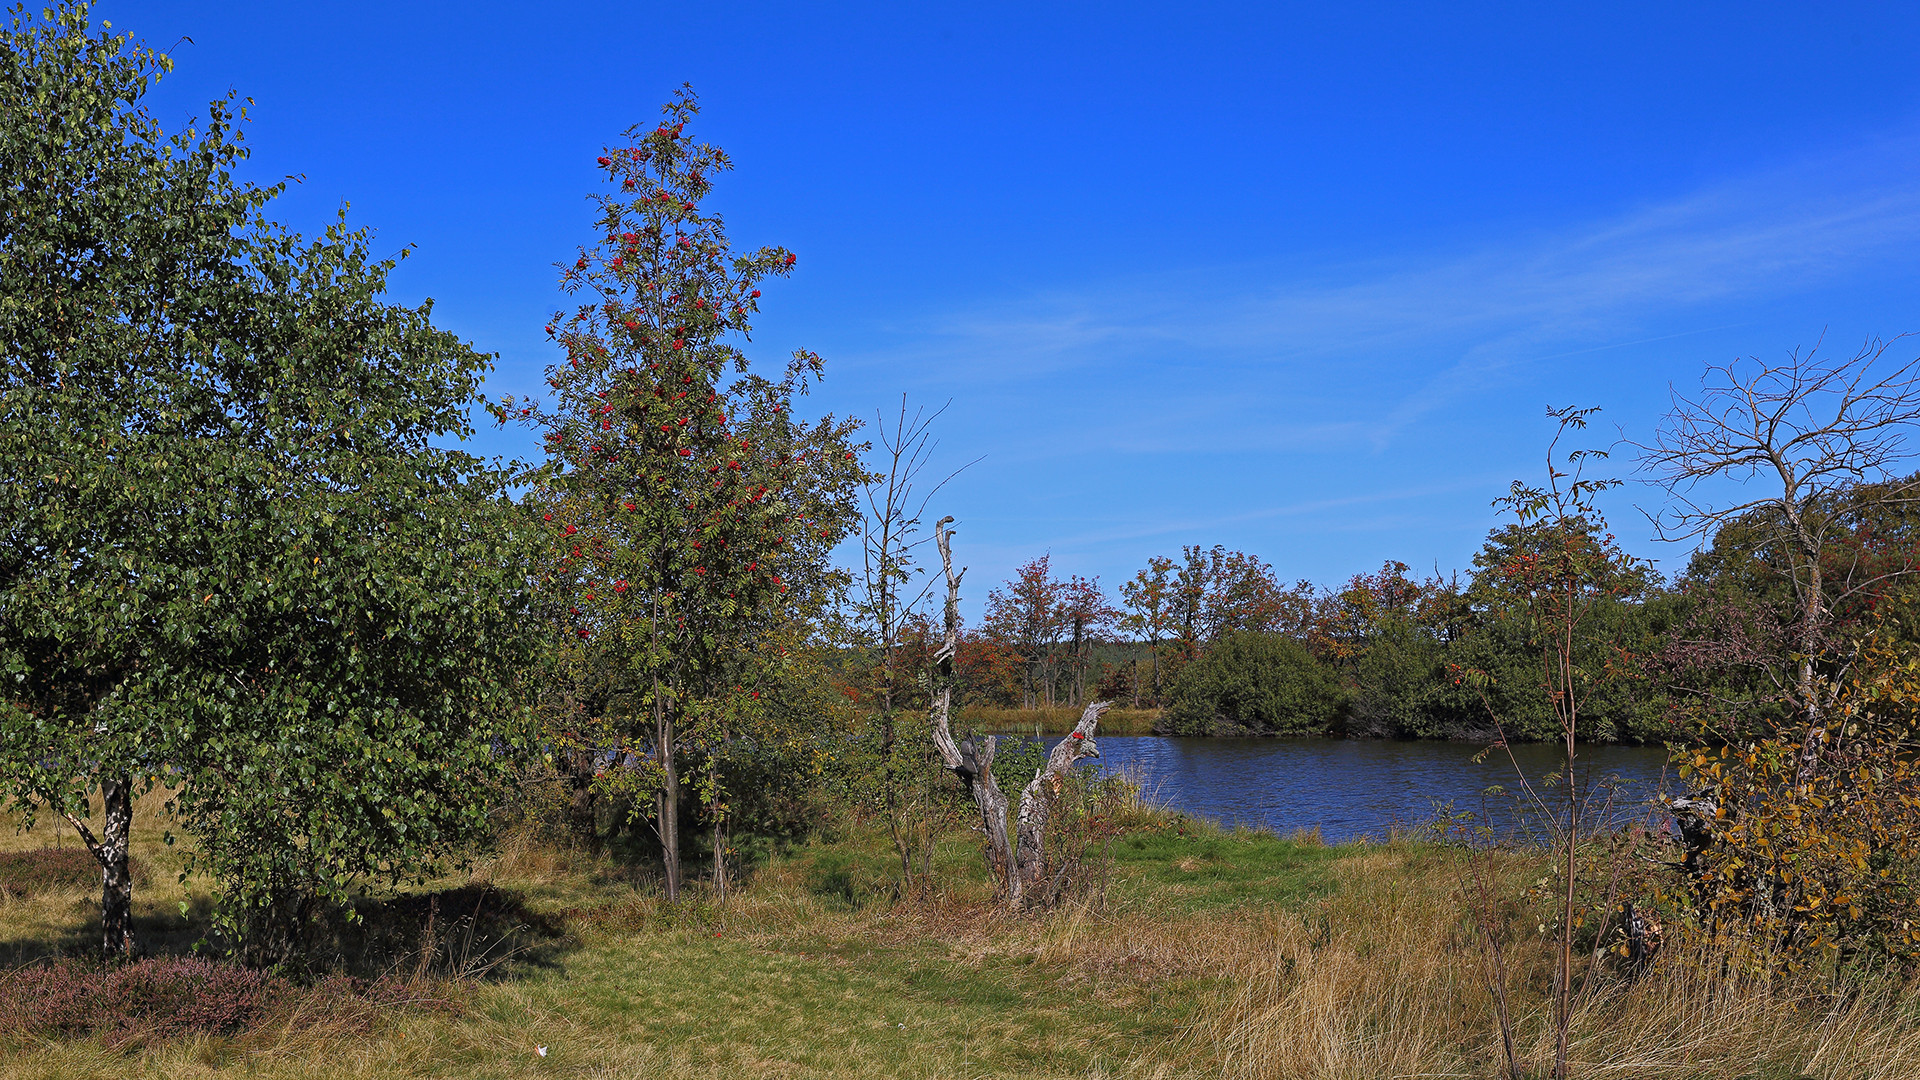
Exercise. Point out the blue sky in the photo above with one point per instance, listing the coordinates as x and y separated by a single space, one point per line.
1298 279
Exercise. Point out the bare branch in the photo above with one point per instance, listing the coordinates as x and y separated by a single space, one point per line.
1824 438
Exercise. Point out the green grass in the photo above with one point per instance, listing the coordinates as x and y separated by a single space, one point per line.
815 968
1210 869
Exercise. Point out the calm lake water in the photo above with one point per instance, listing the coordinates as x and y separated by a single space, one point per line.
1357 787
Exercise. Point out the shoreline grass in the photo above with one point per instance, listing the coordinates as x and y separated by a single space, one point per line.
1054 721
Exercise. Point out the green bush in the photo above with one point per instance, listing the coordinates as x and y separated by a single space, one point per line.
1254 684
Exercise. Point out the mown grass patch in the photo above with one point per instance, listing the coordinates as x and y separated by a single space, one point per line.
1200 867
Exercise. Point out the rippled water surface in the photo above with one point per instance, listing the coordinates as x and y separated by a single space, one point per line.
1354 787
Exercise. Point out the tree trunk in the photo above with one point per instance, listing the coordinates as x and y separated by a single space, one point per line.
719 858
580 809
973 762
1079 663
1036 809
666 802
1154 698
1810 634
116 879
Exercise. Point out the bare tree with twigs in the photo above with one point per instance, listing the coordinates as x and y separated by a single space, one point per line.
896 501
1823 437
889 531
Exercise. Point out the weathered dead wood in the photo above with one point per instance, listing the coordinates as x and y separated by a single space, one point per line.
972 760
1036 803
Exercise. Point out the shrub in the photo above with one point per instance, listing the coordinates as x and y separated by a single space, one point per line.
1814 857
1254 684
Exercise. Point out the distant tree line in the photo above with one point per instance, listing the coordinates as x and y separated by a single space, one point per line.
1218 641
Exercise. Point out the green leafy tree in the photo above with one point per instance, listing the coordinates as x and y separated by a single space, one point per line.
1025 614
1625 614
690 513
230 555
1254 683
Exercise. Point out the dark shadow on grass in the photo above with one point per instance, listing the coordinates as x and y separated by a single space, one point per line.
467 932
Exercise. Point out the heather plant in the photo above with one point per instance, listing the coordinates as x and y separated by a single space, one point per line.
28 873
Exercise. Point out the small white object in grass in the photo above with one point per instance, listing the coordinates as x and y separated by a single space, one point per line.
541 1050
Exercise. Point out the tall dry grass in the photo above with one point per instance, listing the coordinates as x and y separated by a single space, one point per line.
1383 980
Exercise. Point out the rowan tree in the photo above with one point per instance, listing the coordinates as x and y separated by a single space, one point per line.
1088 618
690 512
1149 602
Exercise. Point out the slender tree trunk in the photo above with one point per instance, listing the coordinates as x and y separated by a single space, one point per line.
580 809
1156 672
1079 664
1568 710
1563 1004
719 858
666 801
1810 634
116 879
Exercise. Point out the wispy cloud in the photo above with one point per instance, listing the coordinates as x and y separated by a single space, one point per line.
1422 330
1329 511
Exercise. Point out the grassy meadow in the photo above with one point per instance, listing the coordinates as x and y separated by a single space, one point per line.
1197 953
